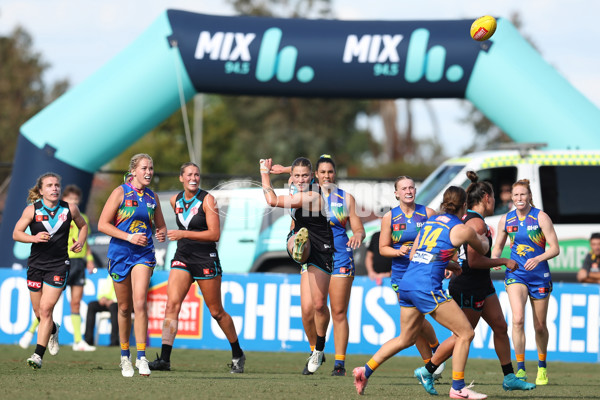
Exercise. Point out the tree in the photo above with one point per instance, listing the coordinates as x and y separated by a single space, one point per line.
22 94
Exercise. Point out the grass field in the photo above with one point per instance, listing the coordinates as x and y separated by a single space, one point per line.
204 374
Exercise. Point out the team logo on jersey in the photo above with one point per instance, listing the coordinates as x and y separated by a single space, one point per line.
131 203
523 249
138 227
62 217
151 206
512 229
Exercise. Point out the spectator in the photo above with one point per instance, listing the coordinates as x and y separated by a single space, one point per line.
378 267
505 204
590 271
107 301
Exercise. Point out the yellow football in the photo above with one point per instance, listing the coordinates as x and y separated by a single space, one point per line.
483 28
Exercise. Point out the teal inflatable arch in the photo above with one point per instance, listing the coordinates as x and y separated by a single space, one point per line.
184 53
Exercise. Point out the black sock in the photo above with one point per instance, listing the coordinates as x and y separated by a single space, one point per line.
236 350
320 345
508 369
40 350
431 367
165 352
53 328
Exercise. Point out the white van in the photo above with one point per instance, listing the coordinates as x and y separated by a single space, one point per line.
563 183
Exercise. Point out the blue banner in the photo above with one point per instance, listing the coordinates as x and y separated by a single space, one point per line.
266 312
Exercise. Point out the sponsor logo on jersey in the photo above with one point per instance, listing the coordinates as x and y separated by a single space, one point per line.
213 254
151 206
131 203
207 271
34 284
532 227
40 218
58 279
512 229
179 210
442 218
544 290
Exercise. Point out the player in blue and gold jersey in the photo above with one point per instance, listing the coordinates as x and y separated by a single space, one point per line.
196 259
421 293
529 230
399 229
130 216
473 290
48 219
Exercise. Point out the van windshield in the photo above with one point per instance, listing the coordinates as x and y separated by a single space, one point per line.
437 181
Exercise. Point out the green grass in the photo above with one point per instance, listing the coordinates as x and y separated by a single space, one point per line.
204 374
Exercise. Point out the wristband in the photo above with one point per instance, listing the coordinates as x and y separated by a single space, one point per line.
129 237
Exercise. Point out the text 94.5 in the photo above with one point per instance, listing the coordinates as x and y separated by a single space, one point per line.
237 67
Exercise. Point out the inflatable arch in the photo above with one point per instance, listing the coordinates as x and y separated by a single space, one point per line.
183 52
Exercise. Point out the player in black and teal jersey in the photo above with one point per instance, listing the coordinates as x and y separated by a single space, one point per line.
529 230
130 216
310 242
342 215
48 219
196 259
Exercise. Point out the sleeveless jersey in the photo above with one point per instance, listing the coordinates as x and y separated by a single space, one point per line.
191 216
404 232
526 241
426 270
472 277
338 218
319 228
135 215
56 221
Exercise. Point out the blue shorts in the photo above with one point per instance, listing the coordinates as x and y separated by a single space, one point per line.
343 262
537 290
395 287
118 270
424 301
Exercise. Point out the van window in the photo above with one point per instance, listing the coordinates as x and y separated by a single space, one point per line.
570 193
437 181
500 178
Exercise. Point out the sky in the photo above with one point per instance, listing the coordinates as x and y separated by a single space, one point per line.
77 37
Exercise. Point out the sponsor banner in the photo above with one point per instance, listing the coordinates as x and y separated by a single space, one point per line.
266 312
272 56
